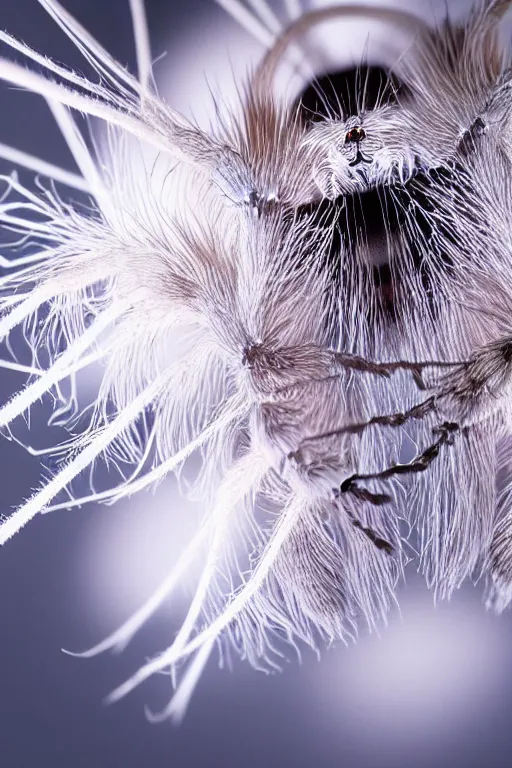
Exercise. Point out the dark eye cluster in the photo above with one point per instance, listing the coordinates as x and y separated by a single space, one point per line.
355 135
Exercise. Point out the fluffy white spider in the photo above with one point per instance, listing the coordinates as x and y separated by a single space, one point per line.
283 314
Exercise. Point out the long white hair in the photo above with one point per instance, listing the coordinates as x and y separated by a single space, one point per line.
231 318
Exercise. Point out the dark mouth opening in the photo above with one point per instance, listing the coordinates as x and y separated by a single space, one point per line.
348 92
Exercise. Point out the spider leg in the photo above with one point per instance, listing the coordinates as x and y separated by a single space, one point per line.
470 392
349 362
361 364
362 494
420 463
419 411
374 537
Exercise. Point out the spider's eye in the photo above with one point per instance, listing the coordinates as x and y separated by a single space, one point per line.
355 135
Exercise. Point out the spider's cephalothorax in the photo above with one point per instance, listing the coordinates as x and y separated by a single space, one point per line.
334 273
380 232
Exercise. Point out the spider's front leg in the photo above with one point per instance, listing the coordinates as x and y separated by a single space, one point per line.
319 465
319 460
420 463
344 361
471 393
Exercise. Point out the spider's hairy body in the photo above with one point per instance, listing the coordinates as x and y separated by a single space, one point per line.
263 320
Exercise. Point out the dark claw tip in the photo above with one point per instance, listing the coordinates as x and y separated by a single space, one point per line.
346 485
379 499
384 545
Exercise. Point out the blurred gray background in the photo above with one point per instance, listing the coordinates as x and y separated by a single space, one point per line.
435 689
